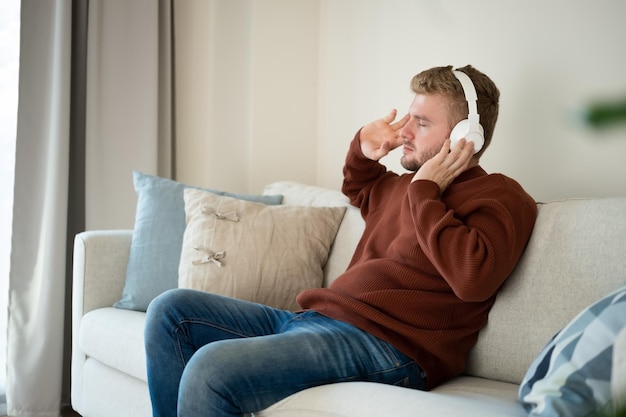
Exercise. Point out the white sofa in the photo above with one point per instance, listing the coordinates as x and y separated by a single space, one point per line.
576 255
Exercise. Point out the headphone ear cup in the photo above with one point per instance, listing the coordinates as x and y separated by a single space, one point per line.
458 132
462 130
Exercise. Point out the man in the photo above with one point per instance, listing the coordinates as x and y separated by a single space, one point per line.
437 245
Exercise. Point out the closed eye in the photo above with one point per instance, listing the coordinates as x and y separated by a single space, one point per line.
421 120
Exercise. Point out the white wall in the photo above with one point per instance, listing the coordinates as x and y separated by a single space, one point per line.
287 83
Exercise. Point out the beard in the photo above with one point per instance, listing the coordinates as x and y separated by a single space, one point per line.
413 164
410 164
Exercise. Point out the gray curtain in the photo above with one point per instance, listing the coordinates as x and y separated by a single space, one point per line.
37 270
95 103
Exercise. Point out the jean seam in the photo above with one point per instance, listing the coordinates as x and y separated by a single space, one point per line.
177 332
213 325
392 355
303 316
177 345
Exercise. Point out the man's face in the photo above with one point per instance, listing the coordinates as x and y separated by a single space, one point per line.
426 131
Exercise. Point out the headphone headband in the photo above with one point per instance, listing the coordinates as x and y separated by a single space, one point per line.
470 96
469 128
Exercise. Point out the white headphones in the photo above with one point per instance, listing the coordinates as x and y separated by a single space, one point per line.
469 128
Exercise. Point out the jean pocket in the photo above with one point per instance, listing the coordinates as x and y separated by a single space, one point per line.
409 373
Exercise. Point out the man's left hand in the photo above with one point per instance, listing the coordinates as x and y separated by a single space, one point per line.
448 164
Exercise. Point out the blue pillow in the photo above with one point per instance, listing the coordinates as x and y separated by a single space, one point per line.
572 374
158 238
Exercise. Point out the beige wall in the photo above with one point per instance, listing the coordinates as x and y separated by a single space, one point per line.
246 77
275 89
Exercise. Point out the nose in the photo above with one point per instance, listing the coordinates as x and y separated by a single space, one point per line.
406 131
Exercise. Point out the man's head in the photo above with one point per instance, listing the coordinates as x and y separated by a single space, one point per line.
439 104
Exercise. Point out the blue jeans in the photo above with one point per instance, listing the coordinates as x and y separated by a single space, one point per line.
209 355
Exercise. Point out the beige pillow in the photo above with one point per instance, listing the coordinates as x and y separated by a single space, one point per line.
259 253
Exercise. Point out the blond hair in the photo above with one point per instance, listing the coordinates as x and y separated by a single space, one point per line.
441 80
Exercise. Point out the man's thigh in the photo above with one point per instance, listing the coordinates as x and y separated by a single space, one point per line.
201 318
309 350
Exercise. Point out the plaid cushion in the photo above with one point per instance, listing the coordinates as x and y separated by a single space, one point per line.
572 374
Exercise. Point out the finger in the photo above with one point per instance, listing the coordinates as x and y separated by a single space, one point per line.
400 123
458 147
445 149
396 141
453 158
391 116
462 148
462 155
381 151
442 158
468 149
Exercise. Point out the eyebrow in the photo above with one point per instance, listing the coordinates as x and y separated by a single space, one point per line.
421 117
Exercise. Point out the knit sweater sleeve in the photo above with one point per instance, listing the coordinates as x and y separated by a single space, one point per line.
360 174
473 237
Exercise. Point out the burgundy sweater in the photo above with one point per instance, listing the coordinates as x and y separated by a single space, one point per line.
427 268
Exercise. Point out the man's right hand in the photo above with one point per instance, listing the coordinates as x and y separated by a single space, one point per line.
381 136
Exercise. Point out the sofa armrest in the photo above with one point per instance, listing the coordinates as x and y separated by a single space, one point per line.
99 274
99 270
618 375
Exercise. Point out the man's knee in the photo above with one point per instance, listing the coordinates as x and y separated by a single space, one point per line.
166 300
214 370
226 364
161 312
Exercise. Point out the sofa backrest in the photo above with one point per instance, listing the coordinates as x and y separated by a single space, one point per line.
576 254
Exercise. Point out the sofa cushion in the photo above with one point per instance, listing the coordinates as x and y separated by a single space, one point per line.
466 396
349 232
107 392
114 337
158 236
572 374
259 253
571 260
